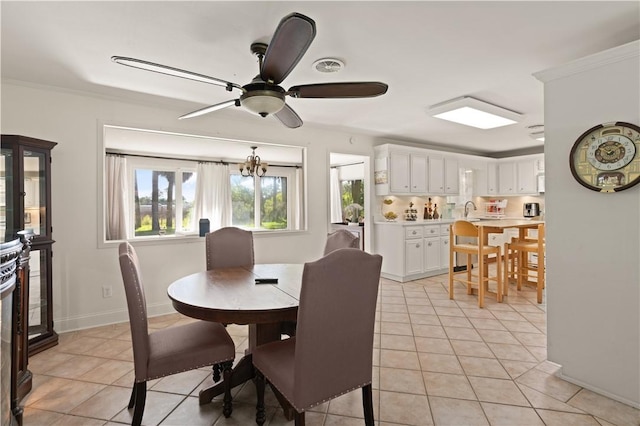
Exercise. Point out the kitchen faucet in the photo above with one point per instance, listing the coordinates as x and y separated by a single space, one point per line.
466 208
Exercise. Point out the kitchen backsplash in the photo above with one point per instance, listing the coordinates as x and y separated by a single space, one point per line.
513 208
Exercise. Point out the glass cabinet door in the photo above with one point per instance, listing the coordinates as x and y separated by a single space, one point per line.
35 192
6 195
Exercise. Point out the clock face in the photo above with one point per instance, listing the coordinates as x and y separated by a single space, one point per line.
606 158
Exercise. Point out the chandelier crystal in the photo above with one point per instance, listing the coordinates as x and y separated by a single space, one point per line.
253 166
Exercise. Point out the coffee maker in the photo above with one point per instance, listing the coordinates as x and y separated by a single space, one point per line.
531 209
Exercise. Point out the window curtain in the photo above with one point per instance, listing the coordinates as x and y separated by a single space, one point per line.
116 197
336 196
213 195
298 200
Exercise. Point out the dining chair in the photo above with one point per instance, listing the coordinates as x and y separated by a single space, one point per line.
341 239
171 350
463 228
228 247
519 266
331 353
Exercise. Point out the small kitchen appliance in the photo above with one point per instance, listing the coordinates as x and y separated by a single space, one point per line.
531 209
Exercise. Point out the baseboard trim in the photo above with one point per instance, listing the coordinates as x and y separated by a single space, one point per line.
634 404
81 322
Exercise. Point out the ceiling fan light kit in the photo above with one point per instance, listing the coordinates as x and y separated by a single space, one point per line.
263 95
474 112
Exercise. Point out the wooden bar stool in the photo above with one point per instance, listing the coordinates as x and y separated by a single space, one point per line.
480 248
518 265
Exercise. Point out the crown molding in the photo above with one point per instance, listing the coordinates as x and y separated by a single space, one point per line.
597 60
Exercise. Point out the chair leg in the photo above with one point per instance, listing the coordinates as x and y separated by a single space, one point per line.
132 400
141 396
227 407
216 372
260 383
500 284
299 420
505 279
367 402
469 267
481 280
451 273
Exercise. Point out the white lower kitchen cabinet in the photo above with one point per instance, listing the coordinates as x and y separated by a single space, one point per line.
412 250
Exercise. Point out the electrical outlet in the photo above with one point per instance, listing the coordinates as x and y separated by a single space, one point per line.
107 291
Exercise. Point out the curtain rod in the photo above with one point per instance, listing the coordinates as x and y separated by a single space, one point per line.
188 159
344 165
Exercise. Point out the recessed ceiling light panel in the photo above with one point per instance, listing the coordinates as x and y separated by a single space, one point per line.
473 112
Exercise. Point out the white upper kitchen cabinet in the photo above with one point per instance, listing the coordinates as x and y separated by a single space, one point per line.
400 171
443 175
527 177
507 178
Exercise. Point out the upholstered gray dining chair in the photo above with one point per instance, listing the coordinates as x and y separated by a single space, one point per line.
332 351
170 350
341 239
229 247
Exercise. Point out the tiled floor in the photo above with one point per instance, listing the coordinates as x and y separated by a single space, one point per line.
436 361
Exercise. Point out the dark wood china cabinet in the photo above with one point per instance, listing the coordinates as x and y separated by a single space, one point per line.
25 204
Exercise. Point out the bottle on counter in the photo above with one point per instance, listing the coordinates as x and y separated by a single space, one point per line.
428 212
435 211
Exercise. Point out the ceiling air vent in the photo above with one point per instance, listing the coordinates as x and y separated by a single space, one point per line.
328 65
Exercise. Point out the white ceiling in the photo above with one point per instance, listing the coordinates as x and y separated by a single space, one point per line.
427 52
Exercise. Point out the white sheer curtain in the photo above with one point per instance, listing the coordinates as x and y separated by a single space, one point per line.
213 195
298 201
336 198
116 197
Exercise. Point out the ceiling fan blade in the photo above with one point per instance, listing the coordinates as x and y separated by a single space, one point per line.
289 43
175 72
288 117
211 108
339 90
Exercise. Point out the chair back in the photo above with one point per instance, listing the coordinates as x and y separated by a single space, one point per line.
136 302
229 247
463 228
341 239
336 316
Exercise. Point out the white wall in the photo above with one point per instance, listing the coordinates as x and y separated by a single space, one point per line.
593 239
80 268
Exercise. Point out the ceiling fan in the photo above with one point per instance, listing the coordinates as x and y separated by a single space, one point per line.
263 95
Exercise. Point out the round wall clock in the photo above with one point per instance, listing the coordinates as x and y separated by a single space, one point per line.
606 158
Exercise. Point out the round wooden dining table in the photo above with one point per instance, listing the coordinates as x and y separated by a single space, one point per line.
232 296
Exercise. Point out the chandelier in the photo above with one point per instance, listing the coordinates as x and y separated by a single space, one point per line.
253 166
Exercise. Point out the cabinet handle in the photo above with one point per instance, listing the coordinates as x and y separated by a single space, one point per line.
445 242
417 245
413 232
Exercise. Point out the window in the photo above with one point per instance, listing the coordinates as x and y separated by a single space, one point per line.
160 184
263 202
162 204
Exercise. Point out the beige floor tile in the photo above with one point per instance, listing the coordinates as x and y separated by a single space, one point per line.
542 401
69 420
449 311
157 406
508 315
393 300
519 326
474 312
399 359
393 308
77 344
394 317
555 418
424 319
549 385
517 368
421 309
189 412
424 301
350 405
508 415
405 409
333 420
398 328
483 367
440 363
448 385
113 349
45 361
487 324
444 302
402 343
108 372
438 346
462 333
66 395
400 380
497 336
435 331
607 409
105 404
512 352
106 332
499 391
455 322
456 412
468 348
33 416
